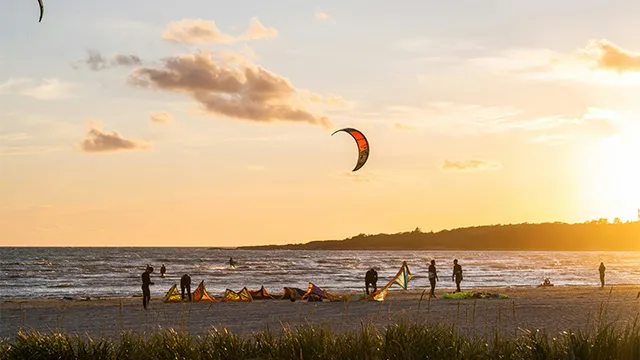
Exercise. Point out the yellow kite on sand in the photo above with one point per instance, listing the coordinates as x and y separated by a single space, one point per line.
199 295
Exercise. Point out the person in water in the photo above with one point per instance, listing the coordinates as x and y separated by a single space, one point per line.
433 277
457 274
371 278
602 269
185 284
162 270
231 262
146 281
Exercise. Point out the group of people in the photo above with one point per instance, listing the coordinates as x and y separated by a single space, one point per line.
185 283
371 277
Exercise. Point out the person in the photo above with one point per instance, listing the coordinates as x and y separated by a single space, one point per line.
433 277
185 283
602 269
162 270
146 281
457 274
231 262
371 278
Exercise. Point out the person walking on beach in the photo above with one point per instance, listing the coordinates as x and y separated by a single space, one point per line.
457 274
371 278
433 277
146 281
185 283
162 270
602 269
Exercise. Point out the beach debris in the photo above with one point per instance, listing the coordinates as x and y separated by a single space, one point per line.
361 142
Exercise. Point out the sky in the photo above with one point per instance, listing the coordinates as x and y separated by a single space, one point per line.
208 123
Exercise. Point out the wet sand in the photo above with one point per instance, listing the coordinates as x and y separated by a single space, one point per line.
552 309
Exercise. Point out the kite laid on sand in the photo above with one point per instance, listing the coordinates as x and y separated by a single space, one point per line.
363 145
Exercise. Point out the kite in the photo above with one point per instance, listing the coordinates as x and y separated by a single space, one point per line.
363 146
41 10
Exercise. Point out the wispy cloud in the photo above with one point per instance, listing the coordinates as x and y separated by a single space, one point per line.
323 16
200 31
48 89
100 141
96 61
601 62
25 150
162 117
230 88
471 165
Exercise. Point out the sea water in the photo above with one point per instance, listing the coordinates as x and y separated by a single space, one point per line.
98 272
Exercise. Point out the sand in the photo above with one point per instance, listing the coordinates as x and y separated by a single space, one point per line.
553 309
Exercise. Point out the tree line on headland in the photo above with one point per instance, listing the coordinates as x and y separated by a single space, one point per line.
594 235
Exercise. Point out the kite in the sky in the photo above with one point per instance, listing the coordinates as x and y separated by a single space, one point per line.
363 145
41 10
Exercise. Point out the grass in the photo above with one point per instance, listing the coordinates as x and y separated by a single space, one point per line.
404 340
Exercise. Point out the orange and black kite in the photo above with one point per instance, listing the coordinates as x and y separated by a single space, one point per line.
363 145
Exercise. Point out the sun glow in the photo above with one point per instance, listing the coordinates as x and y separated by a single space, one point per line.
614 179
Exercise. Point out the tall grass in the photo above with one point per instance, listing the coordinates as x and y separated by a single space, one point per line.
404 340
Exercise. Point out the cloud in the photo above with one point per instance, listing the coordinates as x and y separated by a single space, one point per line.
608 56
15 136
471 165
601 62
97 62
236 90
49 89
323 16
24 150
109 141
401 126
359 177
200 31
161 117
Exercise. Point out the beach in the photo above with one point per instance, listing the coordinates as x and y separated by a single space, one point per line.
551 309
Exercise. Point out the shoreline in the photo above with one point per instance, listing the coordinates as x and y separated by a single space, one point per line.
553 309
439 290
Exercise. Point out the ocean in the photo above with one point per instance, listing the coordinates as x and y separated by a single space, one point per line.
99 272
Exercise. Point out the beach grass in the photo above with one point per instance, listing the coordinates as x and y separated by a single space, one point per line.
403 340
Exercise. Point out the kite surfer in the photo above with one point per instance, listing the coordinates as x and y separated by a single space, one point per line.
457 274
231 262
162 270
602 269
146 281
371 278
433 277
185 283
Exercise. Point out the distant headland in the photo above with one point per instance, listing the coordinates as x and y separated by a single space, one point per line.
595 235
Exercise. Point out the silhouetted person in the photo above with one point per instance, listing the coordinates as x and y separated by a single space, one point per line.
163 270
457 274
146 281
231 262
433 277
602 269
185 283
371 278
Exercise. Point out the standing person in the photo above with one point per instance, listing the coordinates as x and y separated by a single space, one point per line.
146 281
371 277
457 274
602 269
162 270
231 262
433 277
185 283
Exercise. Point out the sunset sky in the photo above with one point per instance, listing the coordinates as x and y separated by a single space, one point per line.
208 123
